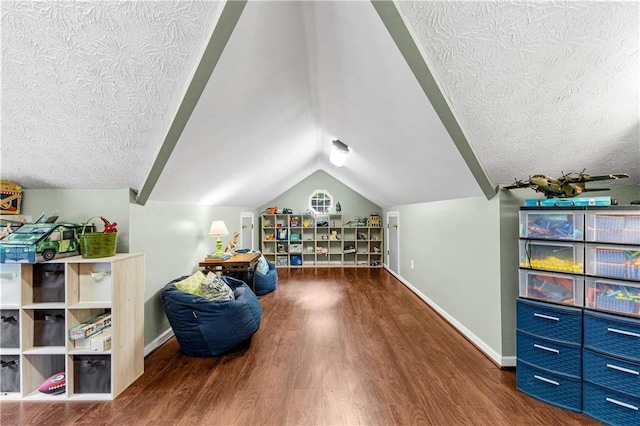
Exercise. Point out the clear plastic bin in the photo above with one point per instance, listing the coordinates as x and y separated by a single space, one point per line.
613 296
552 287
560 257
618 227
614 261
561 225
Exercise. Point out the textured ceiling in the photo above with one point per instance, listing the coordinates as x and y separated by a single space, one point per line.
539 87
90 89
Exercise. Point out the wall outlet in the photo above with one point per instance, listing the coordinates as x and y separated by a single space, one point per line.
411 263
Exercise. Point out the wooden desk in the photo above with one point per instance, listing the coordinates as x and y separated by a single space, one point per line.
239 262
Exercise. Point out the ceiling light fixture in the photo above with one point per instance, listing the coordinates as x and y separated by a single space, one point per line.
339 152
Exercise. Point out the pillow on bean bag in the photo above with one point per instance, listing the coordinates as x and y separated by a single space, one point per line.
213 288
192 283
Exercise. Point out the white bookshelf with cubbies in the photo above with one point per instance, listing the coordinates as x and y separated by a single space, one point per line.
41 302
317 240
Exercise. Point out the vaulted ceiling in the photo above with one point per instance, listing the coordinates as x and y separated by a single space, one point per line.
233 103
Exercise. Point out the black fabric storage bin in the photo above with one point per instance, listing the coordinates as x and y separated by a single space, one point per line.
48 282
9 373
49 328
9 329
92 374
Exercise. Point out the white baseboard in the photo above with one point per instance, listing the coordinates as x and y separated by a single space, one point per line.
158 341
508 361
479 343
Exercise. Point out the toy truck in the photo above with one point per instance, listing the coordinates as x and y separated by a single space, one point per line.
47 240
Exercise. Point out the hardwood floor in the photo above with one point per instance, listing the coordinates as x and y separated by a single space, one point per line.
335 347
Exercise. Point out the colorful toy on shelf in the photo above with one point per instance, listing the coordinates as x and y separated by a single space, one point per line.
554 263
569 185
10 197
44 239
54 385
374 220
108 226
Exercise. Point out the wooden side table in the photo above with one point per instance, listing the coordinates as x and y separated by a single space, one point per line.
239 262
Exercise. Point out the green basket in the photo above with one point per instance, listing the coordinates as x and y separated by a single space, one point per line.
97 244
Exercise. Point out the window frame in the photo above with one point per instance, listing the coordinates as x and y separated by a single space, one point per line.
327 196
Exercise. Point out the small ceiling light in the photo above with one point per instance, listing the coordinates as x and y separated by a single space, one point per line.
339 152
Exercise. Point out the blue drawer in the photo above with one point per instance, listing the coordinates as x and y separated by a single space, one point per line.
611 372
612 334
609 406
560 323
556 389
549 354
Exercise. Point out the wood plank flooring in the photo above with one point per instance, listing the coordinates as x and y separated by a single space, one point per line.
335 347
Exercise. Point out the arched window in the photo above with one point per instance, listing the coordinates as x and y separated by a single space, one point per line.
320 201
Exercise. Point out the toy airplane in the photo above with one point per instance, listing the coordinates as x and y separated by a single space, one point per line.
566 186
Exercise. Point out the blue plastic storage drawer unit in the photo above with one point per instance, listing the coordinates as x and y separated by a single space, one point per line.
612 334
611 372
613 408
556 389
549 354
560 323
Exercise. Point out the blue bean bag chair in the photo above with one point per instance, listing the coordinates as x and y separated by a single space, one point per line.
211 327
267 280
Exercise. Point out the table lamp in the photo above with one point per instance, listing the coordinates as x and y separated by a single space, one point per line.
218 228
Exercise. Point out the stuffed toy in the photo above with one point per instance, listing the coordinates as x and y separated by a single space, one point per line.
232 244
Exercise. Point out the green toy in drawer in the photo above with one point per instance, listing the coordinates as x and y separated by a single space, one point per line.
90 327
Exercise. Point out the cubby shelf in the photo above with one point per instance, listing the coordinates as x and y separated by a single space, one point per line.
303 240
42 301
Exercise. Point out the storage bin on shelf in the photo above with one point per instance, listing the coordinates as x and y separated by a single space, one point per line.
556 225
613 227
613 296
97 244
552 287
613 261
552 256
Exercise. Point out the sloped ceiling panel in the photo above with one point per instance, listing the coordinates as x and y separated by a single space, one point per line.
539 87
368 98
88 88
252 134
293 77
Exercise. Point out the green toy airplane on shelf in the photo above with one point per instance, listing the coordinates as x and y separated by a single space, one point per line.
569 185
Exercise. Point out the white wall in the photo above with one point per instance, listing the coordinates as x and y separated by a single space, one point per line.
79 205
455 246
352 203
174 239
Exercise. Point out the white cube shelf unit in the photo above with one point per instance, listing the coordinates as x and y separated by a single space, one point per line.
40 302
303 240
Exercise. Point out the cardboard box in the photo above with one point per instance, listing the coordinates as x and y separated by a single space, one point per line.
90 327
82 343
101 342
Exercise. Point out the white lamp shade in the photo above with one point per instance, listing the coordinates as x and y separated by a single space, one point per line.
218 228
339 152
